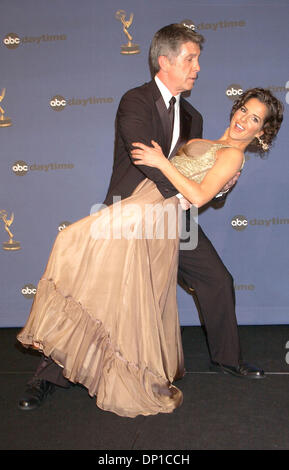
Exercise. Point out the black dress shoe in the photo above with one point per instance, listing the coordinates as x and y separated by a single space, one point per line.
35 394
243 370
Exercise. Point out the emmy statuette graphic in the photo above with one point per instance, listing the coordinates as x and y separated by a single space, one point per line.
4 121
11 245
128 48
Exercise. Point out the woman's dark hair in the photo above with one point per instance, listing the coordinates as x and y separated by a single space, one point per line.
272 122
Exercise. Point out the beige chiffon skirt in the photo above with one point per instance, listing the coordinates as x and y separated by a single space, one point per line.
105 309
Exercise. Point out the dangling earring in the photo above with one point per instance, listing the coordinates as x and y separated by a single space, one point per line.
263 144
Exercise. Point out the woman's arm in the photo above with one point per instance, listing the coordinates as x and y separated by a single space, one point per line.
228 163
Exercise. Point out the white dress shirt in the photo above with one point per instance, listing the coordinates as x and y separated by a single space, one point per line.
166 94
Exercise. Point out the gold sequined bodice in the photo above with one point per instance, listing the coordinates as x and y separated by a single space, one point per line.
196 158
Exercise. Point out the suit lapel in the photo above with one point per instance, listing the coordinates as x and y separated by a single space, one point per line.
185 122
163 116
185 129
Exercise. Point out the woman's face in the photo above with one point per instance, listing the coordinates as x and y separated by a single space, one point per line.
247 122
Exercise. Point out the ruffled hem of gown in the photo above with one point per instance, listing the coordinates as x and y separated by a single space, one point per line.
81 345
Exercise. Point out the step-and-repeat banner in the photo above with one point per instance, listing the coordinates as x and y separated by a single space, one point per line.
64 67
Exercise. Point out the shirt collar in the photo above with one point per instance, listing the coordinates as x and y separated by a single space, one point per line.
165 92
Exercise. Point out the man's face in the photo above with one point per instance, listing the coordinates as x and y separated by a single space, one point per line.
182 71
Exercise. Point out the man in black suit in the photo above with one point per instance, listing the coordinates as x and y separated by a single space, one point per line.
144 114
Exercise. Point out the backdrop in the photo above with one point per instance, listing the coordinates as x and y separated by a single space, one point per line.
64 67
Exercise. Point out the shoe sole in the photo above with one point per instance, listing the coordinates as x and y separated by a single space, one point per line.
31 408
223 370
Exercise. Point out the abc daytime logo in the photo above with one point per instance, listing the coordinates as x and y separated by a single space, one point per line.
244 287
240 222
221 25
58 102
21 168
234 91
13 40
28 291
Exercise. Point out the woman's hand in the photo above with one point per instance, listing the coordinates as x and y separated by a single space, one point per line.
149 156
231 183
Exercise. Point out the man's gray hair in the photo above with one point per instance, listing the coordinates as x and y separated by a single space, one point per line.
168 41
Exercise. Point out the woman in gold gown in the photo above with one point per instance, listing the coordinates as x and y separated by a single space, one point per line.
105 308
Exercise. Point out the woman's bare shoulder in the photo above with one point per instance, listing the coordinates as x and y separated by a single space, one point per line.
232 154
233 151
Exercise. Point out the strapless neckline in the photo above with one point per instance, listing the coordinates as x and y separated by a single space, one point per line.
195 159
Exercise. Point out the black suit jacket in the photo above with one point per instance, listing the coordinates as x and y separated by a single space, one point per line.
141 117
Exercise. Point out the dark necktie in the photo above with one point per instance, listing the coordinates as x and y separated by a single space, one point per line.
171 111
